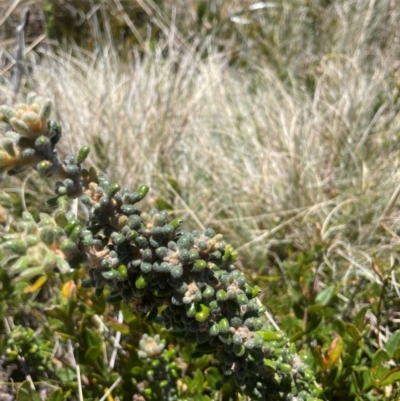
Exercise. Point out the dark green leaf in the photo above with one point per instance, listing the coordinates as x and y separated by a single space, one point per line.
162 204
325 296
205 348
152 314
353 332
175 185
198 381
391 377
359 318
380 366
83 154
213 377
56 395
393 343
27 393
122 328
52 202
92 353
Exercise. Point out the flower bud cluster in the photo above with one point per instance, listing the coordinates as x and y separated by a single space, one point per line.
32 144
159 372
150 347
34 137
21 343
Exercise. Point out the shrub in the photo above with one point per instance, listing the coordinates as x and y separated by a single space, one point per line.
185 280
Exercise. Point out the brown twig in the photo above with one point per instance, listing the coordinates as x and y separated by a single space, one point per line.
19 55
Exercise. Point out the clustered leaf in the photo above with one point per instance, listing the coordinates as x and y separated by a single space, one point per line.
34 136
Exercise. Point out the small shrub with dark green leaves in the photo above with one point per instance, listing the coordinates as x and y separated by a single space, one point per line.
185 280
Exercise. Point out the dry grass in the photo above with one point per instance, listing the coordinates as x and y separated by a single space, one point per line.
300 147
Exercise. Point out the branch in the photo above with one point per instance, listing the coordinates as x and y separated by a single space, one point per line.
21 28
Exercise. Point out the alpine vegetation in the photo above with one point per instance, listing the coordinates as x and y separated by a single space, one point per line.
186 280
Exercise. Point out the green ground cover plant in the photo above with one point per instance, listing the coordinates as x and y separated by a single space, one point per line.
273 123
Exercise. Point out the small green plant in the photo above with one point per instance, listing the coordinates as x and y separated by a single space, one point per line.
185 280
